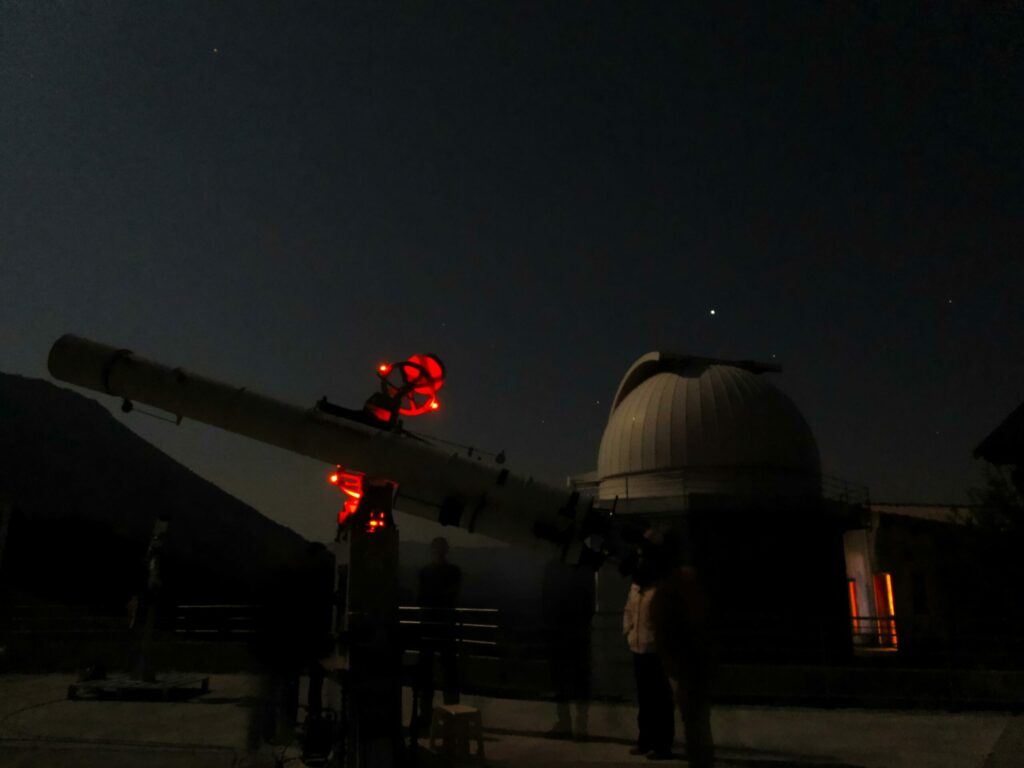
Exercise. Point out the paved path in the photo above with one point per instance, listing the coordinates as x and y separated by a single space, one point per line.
40 727
1008 751
769 737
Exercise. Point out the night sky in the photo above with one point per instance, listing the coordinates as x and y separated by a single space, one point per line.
284 194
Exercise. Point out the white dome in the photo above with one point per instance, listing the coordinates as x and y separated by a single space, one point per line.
680 424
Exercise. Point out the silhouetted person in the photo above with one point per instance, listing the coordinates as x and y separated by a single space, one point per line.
314 604
294 636
568 602
438 593
145 605
655 716
679 616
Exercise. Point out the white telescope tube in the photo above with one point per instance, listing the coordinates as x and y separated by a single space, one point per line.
432 484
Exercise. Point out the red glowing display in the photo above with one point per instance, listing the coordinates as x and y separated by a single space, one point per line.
350 484
376 522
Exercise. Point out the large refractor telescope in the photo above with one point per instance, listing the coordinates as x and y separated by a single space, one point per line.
449 488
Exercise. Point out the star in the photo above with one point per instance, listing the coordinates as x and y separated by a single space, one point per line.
712 311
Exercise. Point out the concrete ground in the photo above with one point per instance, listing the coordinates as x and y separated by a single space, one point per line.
40 727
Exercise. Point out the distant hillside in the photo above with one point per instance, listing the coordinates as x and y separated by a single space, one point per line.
86 491
492 577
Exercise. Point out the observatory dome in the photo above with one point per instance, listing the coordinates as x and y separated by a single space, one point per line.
682 424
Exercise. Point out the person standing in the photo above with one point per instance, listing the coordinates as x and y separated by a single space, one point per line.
568 603
438 594
679 616
150 600
655 716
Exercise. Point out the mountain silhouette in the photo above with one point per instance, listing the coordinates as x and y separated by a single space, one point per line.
85 492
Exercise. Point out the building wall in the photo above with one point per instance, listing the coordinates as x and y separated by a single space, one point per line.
860 568
954 598
776 582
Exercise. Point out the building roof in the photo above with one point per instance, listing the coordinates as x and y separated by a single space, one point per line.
681 412
657 362
1005 444
941 513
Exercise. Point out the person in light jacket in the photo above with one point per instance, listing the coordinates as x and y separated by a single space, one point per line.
655 711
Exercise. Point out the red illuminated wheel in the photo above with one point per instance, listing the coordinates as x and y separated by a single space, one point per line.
413 384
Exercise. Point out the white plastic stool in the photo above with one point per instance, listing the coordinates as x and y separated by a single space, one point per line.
457 725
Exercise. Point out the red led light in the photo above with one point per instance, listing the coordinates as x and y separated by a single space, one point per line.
434 405
333 478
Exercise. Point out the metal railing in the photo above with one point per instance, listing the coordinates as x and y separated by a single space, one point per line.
844 491
763 483
874 633
218 621
472 630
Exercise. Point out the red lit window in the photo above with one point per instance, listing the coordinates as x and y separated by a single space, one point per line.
854 612
886 610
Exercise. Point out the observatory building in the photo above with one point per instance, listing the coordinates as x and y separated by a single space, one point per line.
682 426
713 449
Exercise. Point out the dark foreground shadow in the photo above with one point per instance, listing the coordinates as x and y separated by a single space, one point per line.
745 757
